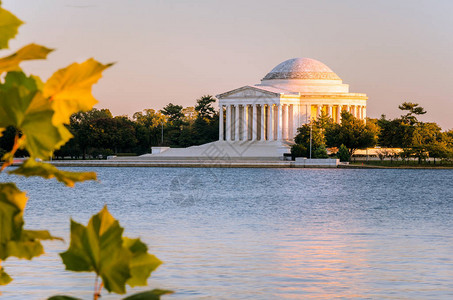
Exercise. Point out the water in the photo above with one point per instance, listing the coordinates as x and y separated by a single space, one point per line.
258 233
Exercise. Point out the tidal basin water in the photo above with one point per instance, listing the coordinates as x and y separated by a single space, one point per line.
257 233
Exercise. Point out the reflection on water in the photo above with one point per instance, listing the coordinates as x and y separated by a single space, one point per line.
259 233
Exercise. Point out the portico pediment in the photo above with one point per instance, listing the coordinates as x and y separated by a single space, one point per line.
249 92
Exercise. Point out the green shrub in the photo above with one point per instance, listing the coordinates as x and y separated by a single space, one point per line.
343 153
298 150
320 152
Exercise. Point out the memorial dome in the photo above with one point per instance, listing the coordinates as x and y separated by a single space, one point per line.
301 68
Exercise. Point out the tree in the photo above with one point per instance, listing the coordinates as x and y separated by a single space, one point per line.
418 139
117 134
206 125
148 126
316 131
302 140
173 127
343 153
413 111
298 150
447 138
174 114
204 107
352 133
394 133
91 115
324 122
320 152
80 128
425 135
398 133
439 149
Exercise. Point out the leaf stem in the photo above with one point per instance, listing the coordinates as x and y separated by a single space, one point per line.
98 294
95 295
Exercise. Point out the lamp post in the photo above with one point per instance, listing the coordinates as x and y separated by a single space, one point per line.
162 131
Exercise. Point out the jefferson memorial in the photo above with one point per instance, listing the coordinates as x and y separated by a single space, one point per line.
260 121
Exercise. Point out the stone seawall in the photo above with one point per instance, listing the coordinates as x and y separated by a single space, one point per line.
185 164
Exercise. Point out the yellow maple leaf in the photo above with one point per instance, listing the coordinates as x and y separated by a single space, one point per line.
29 52
69 89
8 27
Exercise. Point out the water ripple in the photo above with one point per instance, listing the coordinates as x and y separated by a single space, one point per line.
258 233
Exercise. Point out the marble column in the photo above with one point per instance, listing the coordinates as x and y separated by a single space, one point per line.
339 114
279 122
236 122
364 112
329 111
290 121
221 129
287 122
270 123
245 126
283 123
254 122
228 123
318 110
262 127
307 113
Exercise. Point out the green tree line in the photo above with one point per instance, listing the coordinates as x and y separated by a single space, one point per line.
98 133
417 139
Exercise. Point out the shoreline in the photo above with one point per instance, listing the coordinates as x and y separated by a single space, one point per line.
220 164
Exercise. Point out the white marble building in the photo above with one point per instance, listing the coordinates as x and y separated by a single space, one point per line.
259 122
288 96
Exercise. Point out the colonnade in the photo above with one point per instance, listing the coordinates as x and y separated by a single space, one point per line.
273 122
334 111
257 122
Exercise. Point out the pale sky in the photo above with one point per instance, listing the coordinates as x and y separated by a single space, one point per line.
176 51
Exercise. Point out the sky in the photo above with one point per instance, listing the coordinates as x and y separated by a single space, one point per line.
176 51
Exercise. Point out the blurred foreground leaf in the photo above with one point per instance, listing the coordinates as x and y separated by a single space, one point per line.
14 240
149 295
23 106
29 52
4 277
61 297
8 27
142 263
100 247
70 89
32 168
